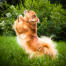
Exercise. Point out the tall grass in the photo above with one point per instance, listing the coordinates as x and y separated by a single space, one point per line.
11 54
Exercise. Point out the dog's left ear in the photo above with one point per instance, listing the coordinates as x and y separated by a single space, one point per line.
38 20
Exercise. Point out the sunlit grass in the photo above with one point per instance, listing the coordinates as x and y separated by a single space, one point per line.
11 54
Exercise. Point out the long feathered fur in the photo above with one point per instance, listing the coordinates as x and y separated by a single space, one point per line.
26 31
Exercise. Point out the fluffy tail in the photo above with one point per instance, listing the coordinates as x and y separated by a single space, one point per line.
49 46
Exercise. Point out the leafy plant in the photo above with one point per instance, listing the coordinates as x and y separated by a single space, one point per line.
52 17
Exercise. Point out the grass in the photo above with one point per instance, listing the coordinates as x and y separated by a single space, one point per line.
11 54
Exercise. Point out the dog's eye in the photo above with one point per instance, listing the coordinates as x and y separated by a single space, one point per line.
34 16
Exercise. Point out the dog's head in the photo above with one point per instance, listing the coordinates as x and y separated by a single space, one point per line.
31 16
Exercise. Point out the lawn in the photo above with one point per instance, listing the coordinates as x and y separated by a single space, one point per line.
11 54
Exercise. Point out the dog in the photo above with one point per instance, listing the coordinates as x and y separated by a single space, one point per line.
26 31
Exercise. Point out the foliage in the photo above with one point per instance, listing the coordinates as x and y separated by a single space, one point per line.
52 17
6 23
63 2
3 9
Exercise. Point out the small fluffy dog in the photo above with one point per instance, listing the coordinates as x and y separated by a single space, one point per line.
26 31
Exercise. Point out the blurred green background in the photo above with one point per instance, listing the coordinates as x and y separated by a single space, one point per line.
52 15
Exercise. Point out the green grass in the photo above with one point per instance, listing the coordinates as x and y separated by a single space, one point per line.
11 54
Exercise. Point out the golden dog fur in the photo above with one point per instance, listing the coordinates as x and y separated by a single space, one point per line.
26 31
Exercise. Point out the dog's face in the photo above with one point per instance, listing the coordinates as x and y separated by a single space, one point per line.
31 16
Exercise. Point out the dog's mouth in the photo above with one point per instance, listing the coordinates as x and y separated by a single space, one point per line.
34 20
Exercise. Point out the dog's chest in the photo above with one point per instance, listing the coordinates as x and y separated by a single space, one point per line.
22 40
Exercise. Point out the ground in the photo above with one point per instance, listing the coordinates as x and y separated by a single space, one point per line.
11 54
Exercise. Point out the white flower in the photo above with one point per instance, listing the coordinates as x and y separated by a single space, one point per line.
2 23
8 14
12 7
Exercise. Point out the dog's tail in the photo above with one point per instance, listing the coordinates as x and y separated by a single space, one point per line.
49 46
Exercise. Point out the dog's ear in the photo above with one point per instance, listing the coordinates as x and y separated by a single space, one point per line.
38 20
